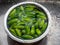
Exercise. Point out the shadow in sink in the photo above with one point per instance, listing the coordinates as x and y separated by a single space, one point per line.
12 42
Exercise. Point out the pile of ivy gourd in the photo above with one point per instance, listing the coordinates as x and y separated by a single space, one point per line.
27 22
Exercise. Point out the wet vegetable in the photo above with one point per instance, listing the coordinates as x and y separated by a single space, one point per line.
18 32
12 21
27 36
13 32
27 21
32 30
27 30
38 32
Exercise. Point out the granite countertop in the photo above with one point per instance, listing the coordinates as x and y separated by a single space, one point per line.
53 37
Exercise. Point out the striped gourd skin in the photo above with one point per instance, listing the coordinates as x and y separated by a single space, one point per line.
27 22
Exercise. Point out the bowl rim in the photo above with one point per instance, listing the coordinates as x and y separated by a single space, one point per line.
33 40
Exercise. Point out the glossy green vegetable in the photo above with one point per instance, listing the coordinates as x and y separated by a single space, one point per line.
41 23
44 27
18 32
12 26
32 30
12 21
13 31
23 31
27 21
27 29
19 27
29 8
35 35
38 32
22 8
13 12
36 25
21 23
27 36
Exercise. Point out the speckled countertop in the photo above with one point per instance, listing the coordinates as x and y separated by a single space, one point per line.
53 37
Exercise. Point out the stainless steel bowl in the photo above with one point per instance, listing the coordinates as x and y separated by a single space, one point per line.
32 40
